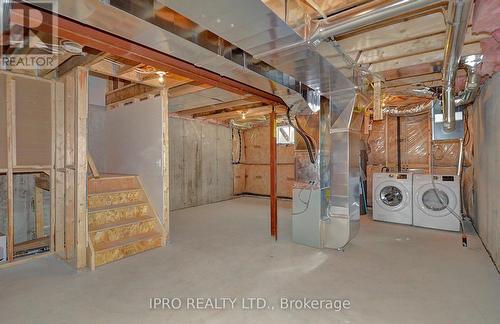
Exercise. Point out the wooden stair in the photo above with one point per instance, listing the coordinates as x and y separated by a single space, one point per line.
121 220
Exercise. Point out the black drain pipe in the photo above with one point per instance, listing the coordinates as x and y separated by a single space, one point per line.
398 134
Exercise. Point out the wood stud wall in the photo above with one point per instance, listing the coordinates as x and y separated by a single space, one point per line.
42 133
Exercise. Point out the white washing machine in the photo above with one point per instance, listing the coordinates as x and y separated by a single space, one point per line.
392 196
432 203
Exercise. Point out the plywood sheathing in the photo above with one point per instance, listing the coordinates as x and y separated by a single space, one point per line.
33 122
485 22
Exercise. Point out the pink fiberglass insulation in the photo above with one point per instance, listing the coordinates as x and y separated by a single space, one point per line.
486 20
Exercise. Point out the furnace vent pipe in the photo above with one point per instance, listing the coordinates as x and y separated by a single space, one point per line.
333 26
471 89
457 19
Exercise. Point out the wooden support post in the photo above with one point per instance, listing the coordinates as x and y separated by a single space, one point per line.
81 167
69 165
10 105
39 223
59 194
273 174
165 165
52 179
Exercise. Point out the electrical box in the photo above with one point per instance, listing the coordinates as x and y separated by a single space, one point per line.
438 132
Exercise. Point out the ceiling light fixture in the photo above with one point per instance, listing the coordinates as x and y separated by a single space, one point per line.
314 100
161 77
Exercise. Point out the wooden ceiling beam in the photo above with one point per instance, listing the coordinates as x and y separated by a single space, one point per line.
223 105
414 70
229 111
254 112
128 93
416 46
92 57
188 88
413 80
473 48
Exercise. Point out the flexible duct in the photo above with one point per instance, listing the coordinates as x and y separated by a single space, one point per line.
405 112
457 19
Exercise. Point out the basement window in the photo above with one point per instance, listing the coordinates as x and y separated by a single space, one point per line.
286 135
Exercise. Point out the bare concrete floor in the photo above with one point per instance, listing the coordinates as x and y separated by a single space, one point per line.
390 273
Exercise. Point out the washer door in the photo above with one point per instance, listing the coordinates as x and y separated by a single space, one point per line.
437 201
392 196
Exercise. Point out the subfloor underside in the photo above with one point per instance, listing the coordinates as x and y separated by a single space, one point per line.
390 274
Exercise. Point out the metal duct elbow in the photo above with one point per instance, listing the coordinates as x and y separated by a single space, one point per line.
471 88
457 18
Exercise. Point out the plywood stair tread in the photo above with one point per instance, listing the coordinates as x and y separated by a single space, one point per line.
114 191
126 241
117 206
120 223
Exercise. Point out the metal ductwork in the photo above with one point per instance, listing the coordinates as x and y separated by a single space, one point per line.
467 96
457 20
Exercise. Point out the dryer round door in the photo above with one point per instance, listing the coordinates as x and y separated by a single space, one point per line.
435 201
392 196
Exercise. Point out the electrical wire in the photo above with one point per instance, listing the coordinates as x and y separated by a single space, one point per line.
304 136
306 203
311 140
458 217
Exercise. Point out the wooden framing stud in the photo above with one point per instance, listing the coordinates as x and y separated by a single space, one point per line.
165 164
10 105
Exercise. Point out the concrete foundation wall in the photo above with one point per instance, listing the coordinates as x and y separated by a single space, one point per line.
200 163
486 209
